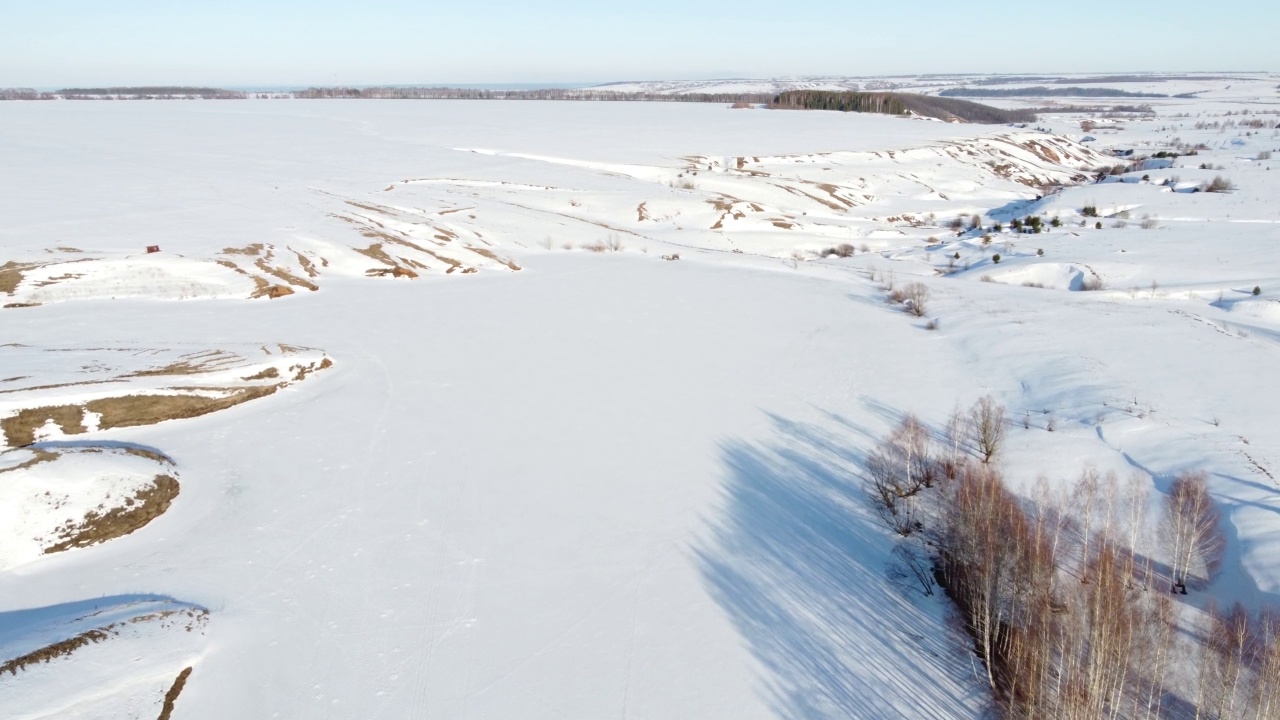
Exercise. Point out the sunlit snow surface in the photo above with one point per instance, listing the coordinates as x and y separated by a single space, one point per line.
544 481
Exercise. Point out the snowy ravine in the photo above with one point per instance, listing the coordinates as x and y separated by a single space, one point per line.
575 483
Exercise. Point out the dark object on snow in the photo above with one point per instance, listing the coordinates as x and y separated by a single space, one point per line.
153 248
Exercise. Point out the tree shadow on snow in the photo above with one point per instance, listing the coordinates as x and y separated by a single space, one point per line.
797 561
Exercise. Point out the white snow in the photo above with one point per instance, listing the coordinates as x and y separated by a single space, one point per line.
603 484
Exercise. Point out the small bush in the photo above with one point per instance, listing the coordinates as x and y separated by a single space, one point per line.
1089 211
1150 223
1097 225
1257 289
932 324
1039 252
1120 224
996 258
1219 184
1056 221
843 250
1264 155
1092 283
917 296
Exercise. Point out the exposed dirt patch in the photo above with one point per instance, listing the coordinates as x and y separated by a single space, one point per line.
134 410
145 505
20 429
489 254
11 275
253 249
56 650
302 371
307 266
270 372
285 275
55 280
41 456
175 690
149 454
195 618
21 305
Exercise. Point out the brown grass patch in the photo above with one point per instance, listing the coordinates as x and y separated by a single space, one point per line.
489 254
307 266
302 371
68 249
178 368
41 456
135 410
20 429
253 249
21 305
64 648
59 649
171 697
270 372
146 505
149 454
285 275
11 275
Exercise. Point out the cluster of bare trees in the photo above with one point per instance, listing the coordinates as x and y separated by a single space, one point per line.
1069 608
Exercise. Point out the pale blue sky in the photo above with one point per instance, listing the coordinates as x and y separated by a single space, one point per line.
56 43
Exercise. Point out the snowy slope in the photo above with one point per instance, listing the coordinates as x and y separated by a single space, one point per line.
606 484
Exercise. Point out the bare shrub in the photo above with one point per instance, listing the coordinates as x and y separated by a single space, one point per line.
843 250
1192 529
1092 283
898 469
1219 184
1150 223
987 423
916 298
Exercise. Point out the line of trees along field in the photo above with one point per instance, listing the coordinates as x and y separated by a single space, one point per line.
1067 605
898 104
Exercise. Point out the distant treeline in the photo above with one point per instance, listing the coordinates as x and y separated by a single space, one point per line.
898 104
447 93
1042 91
24 94
162 91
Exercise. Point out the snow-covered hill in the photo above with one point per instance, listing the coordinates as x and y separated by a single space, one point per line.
566 413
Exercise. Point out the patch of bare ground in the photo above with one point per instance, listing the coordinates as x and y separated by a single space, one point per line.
134 410
63 648
489 254
55 280
59 649
262 288
266 374
307 266
11 275
285 275
21 305
302 371
40 456
20 429
147 504
152 455
171 697
253 249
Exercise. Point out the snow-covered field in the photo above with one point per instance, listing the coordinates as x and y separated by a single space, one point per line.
490 409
